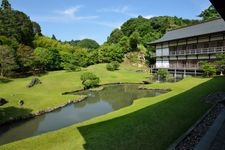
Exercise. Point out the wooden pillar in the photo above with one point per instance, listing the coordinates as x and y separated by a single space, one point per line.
175 73
184 72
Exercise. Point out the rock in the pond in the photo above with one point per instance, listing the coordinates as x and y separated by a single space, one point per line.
2 101
34 82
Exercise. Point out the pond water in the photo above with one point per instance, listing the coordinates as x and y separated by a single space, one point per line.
112 98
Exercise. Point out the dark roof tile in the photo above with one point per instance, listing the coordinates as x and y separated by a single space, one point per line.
213 26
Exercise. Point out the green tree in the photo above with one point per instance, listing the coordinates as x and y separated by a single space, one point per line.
124 43
88 43
46 59
220 63
69 62
36 28
135 39
85 43
53 37
110 52
208 68
115 36
6 5
81 55
113 66
139 24
25 57
209 13
92 57
89 80
47 42
163 73
10 42
16 25
7 60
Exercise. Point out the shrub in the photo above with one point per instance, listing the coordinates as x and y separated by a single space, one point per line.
163 73
113 66
208 68
70 67
89 80
109 67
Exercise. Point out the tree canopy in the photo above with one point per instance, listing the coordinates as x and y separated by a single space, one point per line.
85 43
15 24
7 60
6 5
23 48
209 13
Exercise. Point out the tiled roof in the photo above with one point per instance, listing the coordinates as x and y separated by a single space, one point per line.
204 28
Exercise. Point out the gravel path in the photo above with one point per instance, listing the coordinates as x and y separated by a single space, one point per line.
219 141
193 138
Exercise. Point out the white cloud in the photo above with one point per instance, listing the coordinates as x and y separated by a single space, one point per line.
121 10
65 16
70 11
109 24
125 10
148 16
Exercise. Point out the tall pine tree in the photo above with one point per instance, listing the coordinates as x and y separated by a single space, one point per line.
6 5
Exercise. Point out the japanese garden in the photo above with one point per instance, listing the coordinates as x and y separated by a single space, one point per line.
79 94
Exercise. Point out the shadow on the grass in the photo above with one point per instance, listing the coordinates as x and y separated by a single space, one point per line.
153 127
13 112
4 80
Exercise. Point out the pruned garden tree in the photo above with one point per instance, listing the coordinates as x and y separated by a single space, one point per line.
163 73
208 68
89 80
220 63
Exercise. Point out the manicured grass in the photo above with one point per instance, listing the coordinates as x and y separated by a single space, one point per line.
49 93
150 123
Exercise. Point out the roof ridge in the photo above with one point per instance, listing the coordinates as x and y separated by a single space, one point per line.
194 24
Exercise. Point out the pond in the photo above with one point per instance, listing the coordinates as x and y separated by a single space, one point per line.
112 98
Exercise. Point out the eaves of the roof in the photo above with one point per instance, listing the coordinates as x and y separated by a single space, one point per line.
204 28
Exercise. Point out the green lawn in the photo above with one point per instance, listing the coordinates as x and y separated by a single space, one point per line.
49 93
150 123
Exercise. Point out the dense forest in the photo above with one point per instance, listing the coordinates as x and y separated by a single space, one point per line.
24 50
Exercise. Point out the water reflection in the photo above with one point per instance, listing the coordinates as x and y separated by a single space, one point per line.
97 103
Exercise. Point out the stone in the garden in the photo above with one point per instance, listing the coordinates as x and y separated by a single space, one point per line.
34 82
2 101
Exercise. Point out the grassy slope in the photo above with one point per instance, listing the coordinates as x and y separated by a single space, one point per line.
49 93
150 123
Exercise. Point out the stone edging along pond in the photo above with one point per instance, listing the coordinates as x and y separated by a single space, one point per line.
41 112
193 135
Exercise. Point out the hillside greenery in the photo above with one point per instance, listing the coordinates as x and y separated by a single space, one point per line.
29 52
209 13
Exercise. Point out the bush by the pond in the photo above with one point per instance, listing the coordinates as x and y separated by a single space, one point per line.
113 66
89 80
163 73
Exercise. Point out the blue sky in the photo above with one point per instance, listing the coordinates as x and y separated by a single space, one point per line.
79 19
